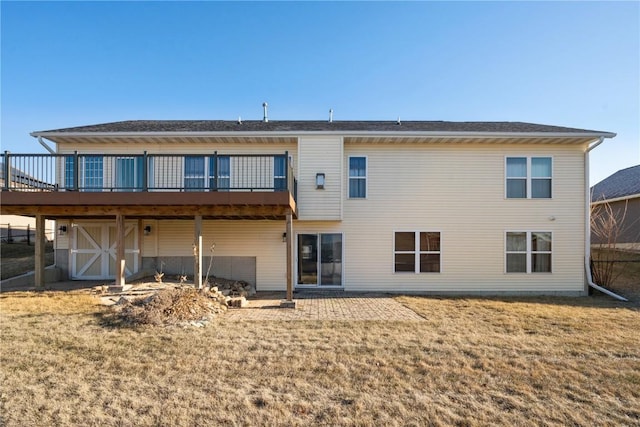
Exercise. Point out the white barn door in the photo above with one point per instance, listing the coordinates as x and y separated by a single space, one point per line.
93 253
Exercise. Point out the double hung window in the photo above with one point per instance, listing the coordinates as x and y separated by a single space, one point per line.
528 252
528 177
357 177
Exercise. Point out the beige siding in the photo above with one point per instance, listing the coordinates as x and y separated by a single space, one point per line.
459 191
456 189
320 155
260 239
149 245
63 240
162 177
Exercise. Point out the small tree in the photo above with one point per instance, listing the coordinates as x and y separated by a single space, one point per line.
206 278
607 226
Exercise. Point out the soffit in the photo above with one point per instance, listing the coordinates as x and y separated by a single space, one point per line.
159 140
470 140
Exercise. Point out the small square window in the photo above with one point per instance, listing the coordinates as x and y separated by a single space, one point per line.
417 252
528 177
528 252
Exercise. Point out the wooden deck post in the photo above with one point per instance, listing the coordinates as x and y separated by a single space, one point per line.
289 257
120 259
197 252
140 242
39 254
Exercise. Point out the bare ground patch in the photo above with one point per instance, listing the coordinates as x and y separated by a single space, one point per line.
471 362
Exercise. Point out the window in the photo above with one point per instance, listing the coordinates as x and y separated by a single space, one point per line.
129 173
357 177
91 173
528 252
417 252
194 173
279 173
68 173
224 173
529 177
200 171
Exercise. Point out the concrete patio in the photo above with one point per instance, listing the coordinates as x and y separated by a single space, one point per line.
324 306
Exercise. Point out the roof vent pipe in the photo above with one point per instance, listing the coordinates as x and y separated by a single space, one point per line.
330 115
266 117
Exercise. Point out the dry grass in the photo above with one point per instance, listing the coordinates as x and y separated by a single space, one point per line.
18 258
537 361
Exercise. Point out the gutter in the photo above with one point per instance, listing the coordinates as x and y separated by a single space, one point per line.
587 225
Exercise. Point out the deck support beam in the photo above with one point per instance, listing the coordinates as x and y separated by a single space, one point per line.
120 258
39 253
289 302
197 251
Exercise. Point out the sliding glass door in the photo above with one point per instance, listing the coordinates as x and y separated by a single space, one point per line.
320 259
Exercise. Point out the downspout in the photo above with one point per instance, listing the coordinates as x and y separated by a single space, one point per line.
587 226
44 144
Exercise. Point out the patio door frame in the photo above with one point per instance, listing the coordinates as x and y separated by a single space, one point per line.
318 284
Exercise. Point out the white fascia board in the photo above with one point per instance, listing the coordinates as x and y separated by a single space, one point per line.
263 134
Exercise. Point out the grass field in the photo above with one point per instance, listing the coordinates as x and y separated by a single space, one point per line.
18 258
530 361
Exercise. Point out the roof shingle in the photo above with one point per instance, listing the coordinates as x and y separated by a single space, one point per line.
625 182
143 126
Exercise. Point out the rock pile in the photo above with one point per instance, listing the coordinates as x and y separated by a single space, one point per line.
180 306
233 288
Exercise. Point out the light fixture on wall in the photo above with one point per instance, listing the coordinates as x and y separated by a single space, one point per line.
147 230
62 230
284 236
320 181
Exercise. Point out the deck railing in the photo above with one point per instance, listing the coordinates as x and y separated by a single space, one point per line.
147 172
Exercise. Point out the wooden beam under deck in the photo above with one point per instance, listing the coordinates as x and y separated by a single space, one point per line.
209 205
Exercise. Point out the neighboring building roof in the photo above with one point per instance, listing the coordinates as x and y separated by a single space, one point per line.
624 183
187 126
21 178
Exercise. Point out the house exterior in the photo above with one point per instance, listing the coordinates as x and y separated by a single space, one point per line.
621 193
423 206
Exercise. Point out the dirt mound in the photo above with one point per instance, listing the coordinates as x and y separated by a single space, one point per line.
173 306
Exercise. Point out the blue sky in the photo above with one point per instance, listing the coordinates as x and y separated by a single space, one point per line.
573 64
